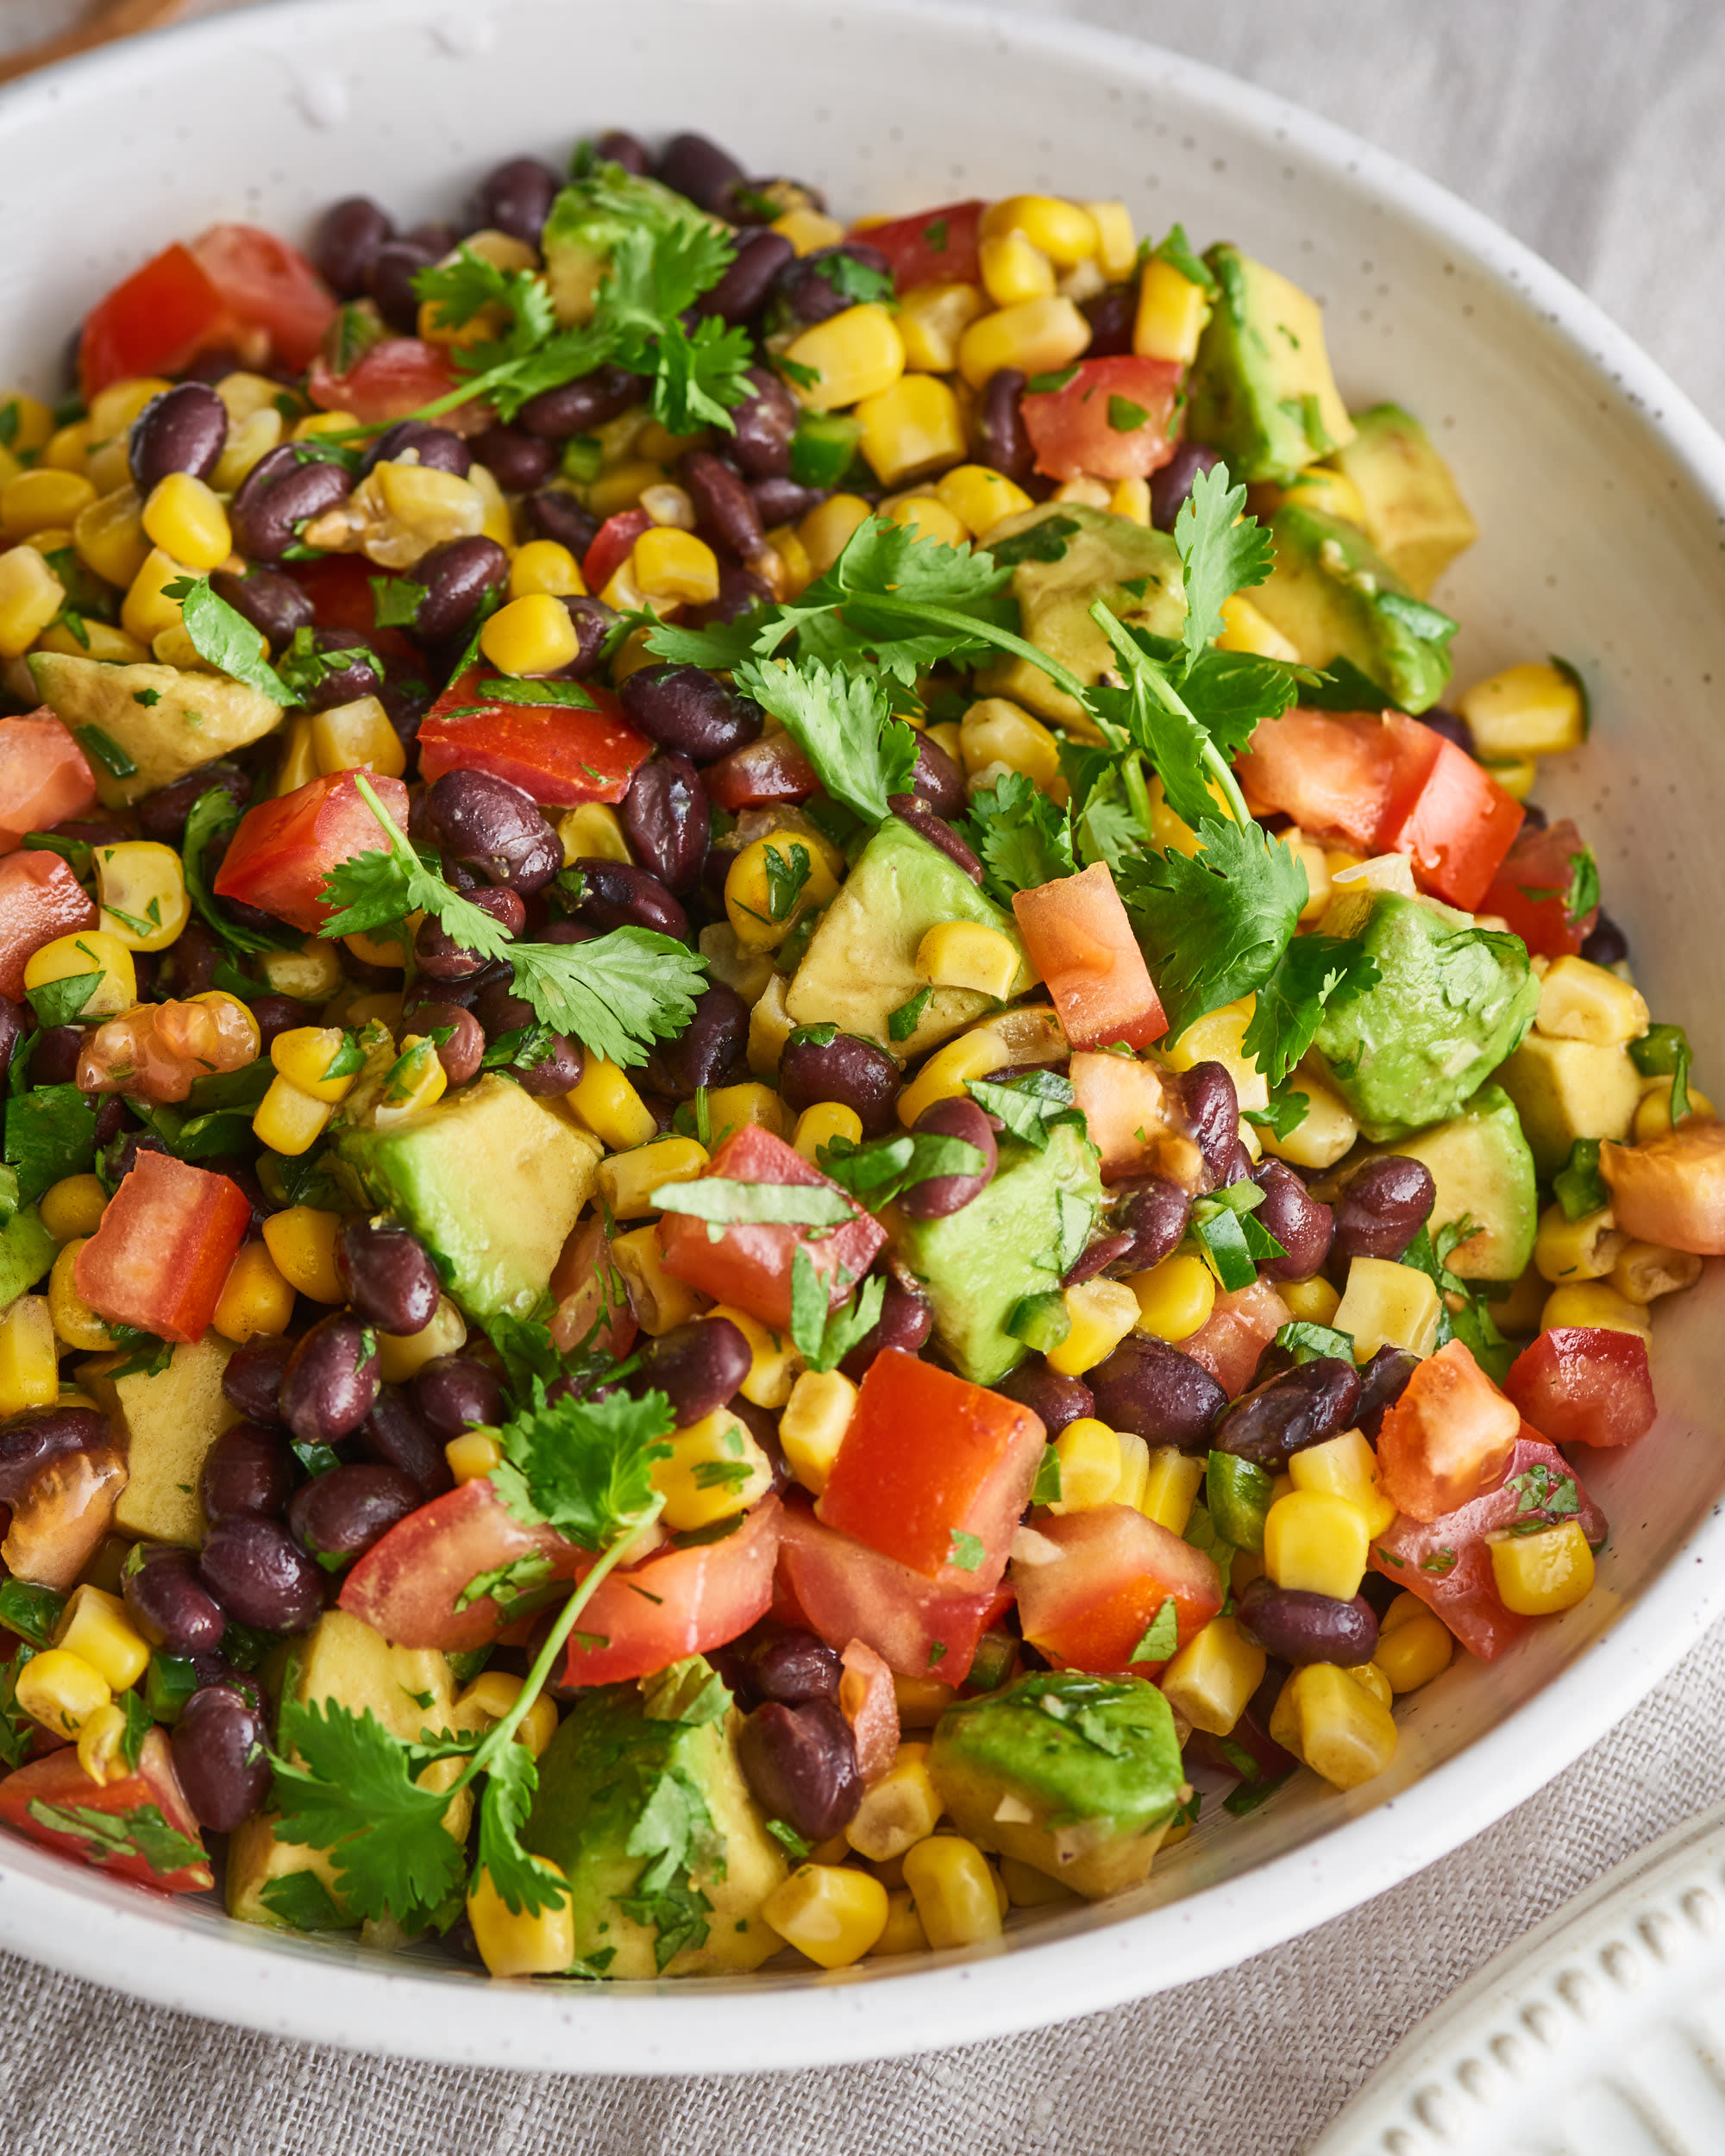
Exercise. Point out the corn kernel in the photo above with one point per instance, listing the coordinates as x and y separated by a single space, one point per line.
1014 270
73 1206
1102 1313
853 355
1130 499
521 1943
953 1886
299 764
141 889
474 1453
288 1120
832 1913
61 1690
812 1426
1539 1575
734 1107
592 832
29 1361
101 1745
775 1364
1311 1301
1645 1271
1172 1480
30 596
356 736
932 319
185 517
927 517
1316 1541
73 1320
1340 1729
981 499
1388 1305
1037 337
1245 627
250 441
824 532
943 1076
1594 1302
255 1299
146 611
302 1241
1090 1465
898 1810
820 1124
32 421
1212 1679
1580 1001
1064 231
1116 241
1525 710
1324 1133
1134 1469
531 635
995 730
1331 492
36 499
1175 1298
100 640
404 1355
1171 314
903 1933
113 410
95 1625
1219 1038
1346 1467
715 1470
67 448
414 1081
772 882
1653 1116
72 957
1566 1249
911 429
611 1108
968 955
544 566
627 1180
1413 1652
671 564
659 1300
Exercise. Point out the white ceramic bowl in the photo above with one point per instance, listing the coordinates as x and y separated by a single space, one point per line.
1599 492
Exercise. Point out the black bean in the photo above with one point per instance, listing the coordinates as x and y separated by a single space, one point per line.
762 254
462 1053
517 461
594 620
331 1381
439 957
1212 1106
1297 1626
1169 487
556 1068
394 1434
1106 1250
1300 1222
723 503
923 820
161 815
616 147
456 576
342 684
1154 1213
395 266
740 590
1452 725
348 236
453 1393
1606 943
274 604
389 1276
619 896
764 423
906 1321
250 1469
1383 1207
708 1048
1053 1399
501 1011
854 1072
260 1576
942 1195
1112 316
578 407
221 1756
516 197
554 514
55 1061
183 429
667 821
939 779
438 448
692 166
1382 1383
813 288
1533 817
337 1515
796 1668
277 495
697 1366
487 824
32 1442
801 1762
251 1379
11 1032
785 501
1152 1389
684 709
169 1604
1003 440
1301 1407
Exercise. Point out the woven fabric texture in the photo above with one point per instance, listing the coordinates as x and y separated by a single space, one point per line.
1589 129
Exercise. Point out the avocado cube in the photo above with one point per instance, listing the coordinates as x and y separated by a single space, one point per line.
860 965
1133 570
1451 1002
642 1802
26 1251
1414 515
1334 597
171 1420
1483 1169
1014 1240
1078 1776
1262 392
1564 1090
488 1179
163 723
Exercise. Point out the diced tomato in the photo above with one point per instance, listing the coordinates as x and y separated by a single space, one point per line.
1446 1561
614 543
590 1291
155 322
44 778
339 587
1079 941
556 752
1584 1385
391 381
410 1585
935 247
57 1523
283 851
683 1602
1239 1327
1531 890
1458 828
266 283
750 1262
139 1827
1124 1109
39 899
1672 1190
1345 772
1447 1438
934 1471
870 1702
1089 1605
1115 419
843 1591
161 1252
760 774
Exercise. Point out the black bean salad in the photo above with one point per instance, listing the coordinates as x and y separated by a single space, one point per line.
791 1143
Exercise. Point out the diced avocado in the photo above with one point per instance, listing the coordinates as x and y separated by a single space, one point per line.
26 1251
1334 597
1564 1090
587 221
408 1690
141 727
1014 1239
1414 514
1262 389
1484 1170
642 1803
171 1420
1451 1002
490 1181
859 966
1133 570
1079 1776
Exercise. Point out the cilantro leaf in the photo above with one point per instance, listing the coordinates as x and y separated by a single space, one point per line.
142 1832
301 1899
825 1336
221 635
1314 973
395 601
522 1881
1024 838
459 291
904 1020
1161 1637
1029 1107
1309 1343
1578 1186
1177 251
1214 924
966 1551
842 724
1285 1114
617 993
877 1173
584 1466
372 890
50 1133
17 1729
1220 555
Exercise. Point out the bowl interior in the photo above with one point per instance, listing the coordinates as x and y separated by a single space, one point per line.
1599 508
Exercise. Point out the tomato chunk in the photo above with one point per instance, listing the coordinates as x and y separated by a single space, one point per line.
1125 1110
266 283
683 1602
1239 1327
1114 419
934 1471
1532 888
1672 1190
750 1262
1089 1604
870 1702
1079 941
1331 770
283 851
760 773
1447 1438
44 778
612 544
161 1251
390 382
1584 1385
588 1293
1457 827
139 1827
39 899
339 587
558 754
154 321
1446 1561
935 247
843 1590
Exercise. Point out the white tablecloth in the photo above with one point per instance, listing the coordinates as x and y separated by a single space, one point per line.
1591 130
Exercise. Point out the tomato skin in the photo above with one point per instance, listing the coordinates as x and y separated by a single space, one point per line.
1090 1605
39 899
1120 1098
1541 861
614 543
1069 427
843 1590
57 1779
1584 1385
1331 771
1458 828
920 252
391 380
161 1251
1239 1327
929 1457
1079 941
44 778
583 1283
759 773
558 754
266 283
154 321
283 851
870 1702
1446 1561
750 1263
1447 1438
682 1602
1672 1190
